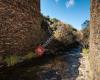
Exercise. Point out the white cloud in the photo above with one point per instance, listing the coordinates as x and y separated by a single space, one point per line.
56 0
70 3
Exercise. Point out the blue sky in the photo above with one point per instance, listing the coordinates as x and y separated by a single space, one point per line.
73 12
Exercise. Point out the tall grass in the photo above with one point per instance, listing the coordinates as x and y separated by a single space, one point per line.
14 59
11 60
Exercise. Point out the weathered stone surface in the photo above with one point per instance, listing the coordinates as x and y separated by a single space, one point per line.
95 39
19 25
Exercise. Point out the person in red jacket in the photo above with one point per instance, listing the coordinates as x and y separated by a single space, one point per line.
40 50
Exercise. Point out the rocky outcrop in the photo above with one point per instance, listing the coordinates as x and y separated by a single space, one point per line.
95 39
20 28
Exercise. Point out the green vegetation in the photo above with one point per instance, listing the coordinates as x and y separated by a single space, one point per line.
86 34
30 55
86 51
11 60
67 36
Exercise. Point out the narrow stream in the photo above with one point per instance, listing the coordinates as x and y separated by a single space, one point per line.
49 67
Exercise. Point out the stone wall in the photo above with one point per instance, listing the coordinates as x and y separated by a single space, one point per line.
94 55
20 28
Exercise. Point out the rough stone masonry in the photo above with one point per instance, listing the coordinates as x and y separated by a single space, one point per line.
94 55
19 25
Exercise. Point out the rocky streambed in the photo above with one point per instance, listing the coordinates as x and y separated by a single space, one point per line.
69 65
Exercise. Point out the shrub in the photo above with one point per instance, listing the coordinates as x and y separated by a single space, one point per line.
86 51
11 60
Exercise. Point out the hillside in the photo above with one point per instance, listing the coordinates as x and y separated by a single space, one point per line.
62 32
65 36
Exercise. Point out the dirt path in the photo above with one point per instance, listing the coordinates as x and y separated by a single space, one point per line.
69 66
